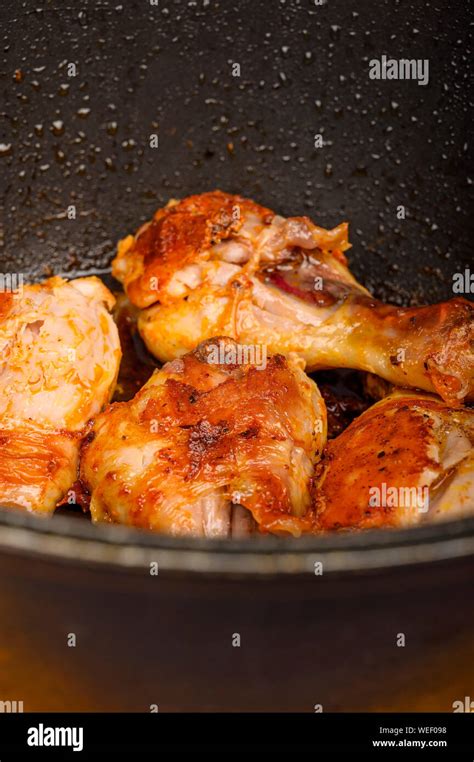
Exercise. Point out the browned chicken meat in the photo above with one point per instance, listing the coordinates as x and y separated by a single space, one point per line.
214 444
406 460
59 359
220 264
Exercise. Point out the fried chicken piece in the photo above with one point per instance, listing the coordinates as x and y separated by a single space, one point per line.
211 445
59 359
406 460
218 264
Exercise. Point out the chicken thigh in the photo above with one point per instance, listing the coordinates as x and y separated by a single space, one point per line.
218 264
406 460
59 359
213 445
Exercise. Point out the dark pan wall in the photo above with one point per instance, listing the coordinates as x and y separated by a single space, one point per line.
143 69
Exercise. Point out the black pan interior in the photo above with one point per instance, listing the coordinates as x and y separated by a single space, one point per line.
142 69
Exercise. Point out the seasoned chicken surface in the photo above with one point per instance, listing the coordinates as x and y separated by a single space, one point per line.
406 460
214 444
59 359
220 264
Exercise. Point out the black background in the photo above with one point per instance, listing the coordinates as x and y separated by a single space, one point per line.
148 734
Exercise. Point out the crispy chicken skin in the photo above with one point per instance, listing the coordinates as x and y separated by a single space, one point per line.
406 460
220 264
213 445
59 359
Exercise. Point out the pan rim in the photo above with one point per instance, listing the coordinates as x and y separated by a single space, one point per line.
74 541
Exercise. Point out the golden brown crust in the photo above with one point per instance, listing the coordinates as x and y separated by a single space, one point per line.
391 446
6 301
36 466
178 235
236 429
429 347
200 270
59 363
